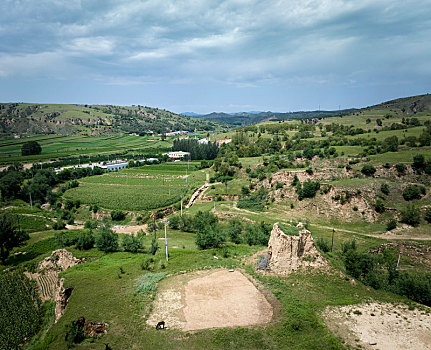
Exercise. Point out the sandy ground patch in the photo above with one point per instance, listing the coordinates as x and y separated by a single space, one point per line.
389 326
130 230
210 299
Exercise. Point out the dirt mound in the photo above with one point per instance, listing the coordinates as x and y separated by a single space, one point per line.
381 326
50 287
291 253
60 260
209 299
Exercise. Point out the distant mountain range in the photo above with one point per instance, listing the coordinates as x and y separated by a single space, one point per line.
406 105
248 118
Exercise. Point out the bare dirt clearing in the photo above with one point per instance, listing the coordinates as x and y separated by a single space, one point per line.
381 326
210 299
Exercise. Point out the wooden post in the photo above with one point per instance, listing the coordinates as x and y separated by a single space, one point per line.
332 244
166 242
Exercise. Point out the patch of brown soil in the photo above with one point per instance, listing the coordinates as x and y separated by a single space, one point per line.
387 326
130 230
210 299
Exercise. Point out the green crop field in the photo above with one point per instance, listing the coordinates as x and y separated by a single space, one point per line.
144 188
55 147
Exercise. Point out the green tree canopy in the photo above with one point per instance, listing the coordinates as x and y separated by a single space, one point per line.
30 148
10 236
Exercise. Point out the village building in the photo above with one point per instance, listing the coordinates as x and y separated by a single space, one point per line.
178 155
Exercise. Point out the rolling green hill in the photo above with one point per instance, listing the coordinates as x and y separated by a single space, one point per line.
94 120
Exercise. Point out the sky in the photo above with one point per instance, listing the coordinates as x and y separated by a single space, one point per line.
213 55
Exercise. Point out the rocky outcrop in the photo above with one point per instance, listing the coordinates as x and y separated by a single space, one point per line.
60 260
91 329
290 253
49 285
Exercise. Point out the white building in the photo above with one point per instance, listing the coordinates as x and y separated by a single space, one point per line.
178 155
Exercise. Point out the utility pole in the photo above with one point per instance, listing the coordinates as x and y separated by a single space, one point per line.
332 244
169 190
166 242
154 224
31 203
181 205
214 203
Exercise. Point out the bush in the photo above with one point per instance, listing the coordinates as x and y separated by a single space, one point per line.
307 190
210 237
91 224
323 244
368 170
234 230
131 244
117 215
106 240
174 222
255 234
427 215
384 188
412 192
392 224
411 215
251 203
66 238
59 225
85 241
401 168
418 162
154 246
379 206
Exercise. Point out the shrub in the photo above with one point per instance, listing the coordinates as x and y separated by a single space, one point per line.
174 222
412 192
384 188
106 240
210 237
368 170
66 238
147 283
401 168
255 234
392 223
147 264
131 244
308 189
154 246
323 244
411 215
234 230
279 185
59 225
418 162
85 241
427 215
251 203
117 215
91 224
379 206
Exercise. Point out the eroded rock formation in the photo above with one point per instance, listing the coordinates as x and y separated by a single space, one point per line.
290 253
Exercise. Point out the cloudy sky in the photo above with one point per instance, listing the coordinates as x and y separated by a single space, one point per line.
215 55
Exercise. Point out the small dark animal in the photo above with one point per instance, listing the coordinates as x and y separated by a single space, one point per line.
107 347
160 325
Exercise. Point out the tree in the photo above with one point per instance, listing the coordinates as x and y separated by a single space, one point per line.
30 148
411 215
413 192
210 237
117 215
106 239
418 162
10 184
10 236
85 240
234 230
131 244
368 170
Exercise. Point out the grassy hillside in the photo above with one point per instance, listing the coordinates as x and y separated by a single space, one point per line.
66 119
